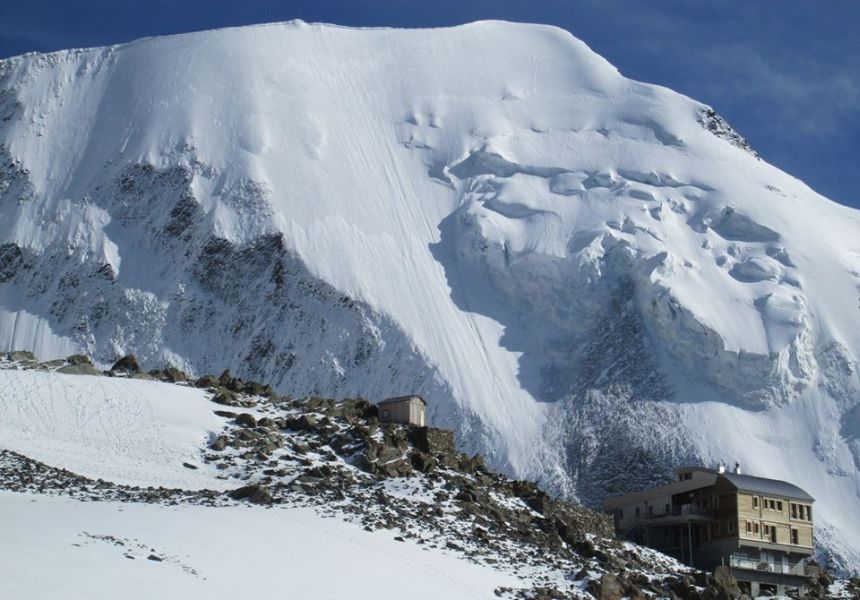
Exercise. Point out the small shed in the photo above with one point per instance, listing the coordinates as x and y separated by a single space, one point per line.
403 409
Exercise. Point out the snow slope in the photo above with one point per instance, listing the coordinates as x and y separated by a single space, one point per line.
147 428
590 278
229 552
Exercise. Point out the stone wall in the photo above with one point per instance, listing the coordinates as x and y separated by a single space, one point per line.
433 440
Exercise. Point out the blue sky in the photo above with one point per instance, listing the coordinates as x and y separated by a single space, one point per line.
785 73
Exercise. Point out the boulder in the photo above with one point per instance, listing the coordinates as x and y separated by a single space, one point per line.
22 356
127 364
384 452
255 493
302 423
611 587
470 464
175 375
207 381
219 444
52 364
246 420
226 397
257 389
79 359
684 587
423 462
170 374
79 369
634 593
353 409
723 585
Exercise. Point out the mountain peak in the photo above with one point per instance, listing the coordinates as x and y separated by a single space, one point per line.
576 269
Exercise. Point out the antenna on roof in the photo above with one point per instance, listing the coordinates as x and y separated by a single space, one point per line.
737 468
721 467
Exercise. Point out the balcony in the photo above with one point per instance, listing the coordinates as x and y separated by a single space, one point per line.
800 569
682 512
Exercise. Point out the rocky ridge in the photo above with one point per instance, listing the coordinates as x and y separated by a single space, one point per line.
337 457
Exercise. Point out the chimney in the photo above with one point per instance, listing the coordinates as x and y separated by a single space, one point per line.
721 468
737 468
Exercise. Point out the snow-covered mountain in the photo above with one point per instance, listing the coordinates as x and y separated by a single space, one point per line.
591 279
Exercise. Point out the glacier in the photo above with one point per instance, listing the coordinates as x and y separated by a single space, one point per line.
591 279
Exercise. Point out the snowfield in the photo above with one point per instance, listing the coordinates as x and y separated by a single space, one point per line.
591 279
121 430
101 549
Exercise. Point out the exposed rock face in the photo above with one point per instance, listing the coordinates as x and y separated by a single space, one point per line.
717 125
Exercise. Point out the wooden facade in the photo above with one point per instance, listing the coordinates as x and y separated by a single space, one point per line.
761 528
775 520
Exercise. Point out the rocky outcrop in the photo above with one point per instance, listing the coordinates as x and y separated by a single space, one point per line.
126 365
337 457
79 369
21 356
257 494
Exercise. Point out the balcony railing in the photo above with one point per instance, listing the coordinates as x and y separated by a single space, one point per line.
682 510
752 564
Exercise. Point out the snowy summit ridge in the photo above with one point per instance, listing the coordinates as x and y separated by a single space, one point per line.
590 278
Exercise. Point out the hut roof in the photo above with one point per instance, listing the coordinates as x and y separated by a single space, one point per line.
403 399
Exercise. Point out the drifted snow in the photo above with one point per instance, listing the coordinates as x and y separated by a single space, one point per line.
586 282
